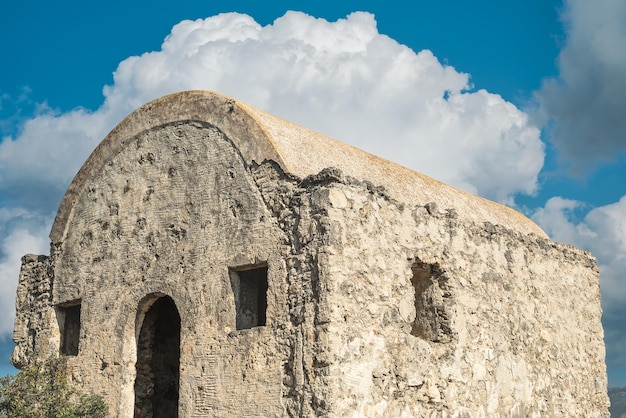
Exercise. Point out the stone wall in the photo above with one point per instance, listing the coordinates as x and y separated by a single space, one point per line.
509 323
34 314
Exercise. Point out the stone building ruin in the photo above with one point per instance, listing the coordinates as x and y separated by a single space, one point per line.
210 259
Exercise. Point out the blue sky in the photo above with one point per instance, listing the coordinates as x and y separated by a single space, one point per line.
535 90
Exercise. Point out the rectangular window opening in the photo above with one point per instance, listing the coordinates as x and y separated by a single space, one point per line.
249 286
68 317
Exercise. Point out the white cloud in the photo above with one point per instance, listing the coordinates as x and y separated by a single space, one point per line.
587 101
38 165
603 232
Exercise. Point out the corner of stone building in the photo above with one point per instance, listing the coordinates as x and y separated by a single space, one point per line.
35 331
301 208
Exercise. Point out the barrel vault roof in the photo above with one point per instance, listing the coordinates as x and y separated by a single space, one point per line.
260 136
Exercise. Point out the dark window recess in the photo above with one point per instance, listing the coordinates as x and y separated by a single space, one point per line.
250 290
69 319
432 299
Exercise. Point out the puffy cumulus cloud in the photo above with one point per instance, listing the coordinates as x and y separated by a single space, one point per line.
586 101
346 80
603 232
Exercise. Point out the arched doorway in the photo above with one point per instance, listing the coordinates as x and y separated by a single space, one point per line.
158 361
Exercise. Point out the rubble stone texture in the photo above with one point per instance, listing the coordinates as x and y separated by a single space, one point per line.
213 260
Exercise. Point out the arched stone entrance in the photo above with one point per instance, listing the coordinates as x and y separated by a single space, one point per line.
158 360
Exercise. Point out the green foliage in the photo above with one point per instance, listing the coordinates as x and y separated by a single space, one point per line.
42 391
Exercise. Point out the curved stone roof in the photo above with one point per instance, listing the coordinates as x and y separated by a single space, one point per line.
299 151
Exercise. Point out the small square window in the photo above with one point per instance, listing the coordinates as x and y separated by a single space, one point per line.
250 290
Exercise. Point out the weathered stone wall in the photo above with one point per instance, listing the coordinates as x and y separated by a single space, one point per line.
36 331
168 216
416 314
514 326
374 307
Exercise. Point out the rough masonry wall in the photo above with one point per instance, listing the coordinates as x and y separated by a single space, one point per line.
169 215
513 327
36 330
152 225
304 225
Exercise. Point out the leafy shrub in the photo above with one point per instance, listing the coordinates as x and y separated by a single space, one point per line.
42 391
